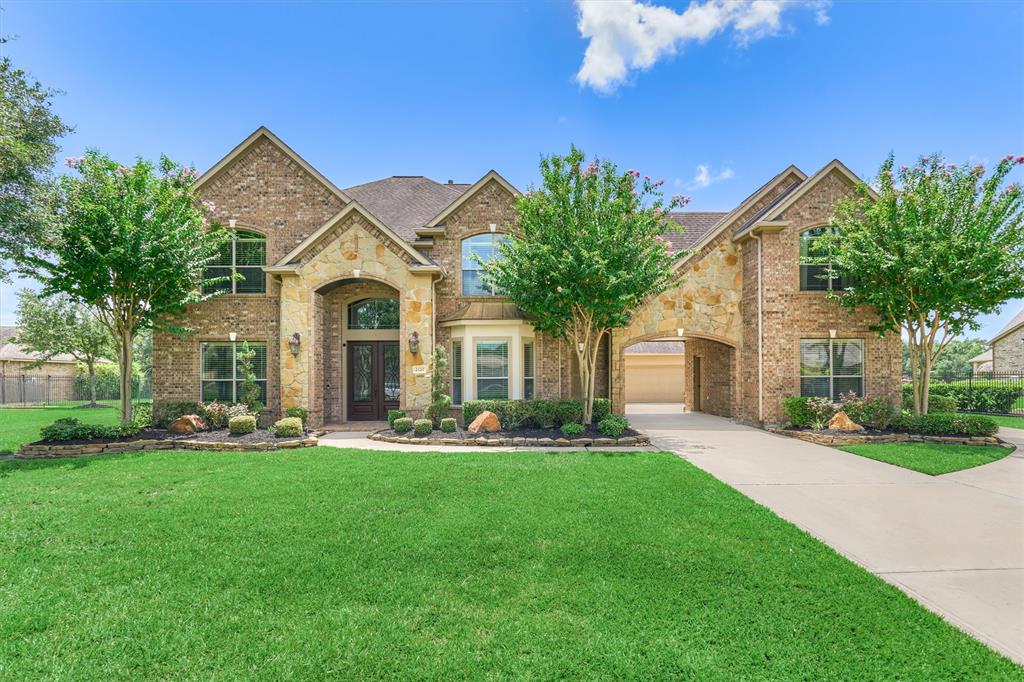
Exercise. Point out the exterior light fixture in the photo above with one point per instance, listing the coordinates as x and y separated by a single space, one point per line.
356 272
294 343
679 332
492 227
831 333
579 347
231 223
232 337
414 343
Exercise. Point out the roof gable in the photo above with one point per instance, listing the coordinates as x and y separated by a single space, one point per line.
833 166
1012 326
490 176
406 202
262 133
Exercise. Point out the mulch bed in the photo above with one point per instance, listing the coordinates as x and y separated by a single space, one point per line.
591 431
213 436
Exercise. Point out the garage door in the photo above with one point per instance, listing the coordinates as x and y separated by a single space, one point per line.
654 377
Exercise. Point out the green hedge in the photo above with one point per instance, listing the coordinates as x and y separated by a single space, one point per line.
513 414
402 425
946 424
239 426
165 412
977 396
108 382
71 428
613 425
289 426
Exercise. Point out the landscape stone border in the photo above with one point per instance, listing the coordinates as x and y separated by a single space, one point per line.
482 440
826 438
54 450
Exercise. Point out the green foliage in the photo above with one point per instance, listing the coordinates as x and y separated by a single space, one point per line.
513 414
241 425
613 425
301 412
402 424
289 426
165 412
602 408
808 413
422 427
248 390
215 413
107 381
936 402
955 359
132 243
976 396
29 131
393 415
945 424
872 413
449 425
587 251
440 403
937 247
70 428
142 415
572 429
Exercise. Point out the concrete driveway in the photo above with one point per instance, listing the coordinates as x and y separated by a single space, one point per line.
955 543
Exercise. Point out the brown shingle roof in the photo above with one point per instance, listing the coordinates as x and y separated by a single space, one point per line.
645 347
486 310
405 202
695 224
1017 321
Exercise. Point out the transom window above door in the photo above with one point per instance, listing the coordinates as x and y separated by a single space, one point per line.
244 254
477 250
373 313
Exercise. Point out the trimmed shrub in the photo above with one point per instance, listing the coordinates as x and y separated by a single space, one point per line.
572 429
513 414
422 427
166 412
982 395
798 412
874 413
239 426
402 425
602 409
568 411
289 426
946 424
301 413
449 425
215 414
142 415
70 428
936 403
613 425
393 415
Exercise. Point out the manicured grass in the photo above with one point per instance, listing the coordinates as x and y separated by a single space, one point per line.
19 425
316 563
930 458
1011 422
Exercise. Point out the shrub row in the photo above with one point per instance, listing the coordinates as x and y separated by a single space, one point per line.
71 428
538 414
878 413
977 396
215 413
947 424
613 425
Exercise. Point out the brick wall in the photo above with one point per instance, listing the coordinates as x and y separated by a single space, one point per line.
1008 353
717 367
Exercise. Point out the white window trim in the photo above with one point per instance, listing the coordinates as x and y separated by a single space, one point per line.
509 346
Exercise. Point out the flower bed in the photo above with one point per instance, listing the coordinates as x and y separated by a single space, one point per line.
842 438
523 437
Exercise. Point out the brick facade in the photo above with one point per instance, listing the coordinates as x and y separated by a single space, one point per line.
1008 352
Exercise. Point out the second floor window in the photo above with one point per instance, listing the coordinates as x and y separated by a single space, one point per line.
475 250
817 277
245 254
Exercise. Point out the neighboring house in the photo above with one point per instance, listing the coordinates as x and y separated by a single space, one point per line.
15 360
1008 346
345 293
655 372
982 362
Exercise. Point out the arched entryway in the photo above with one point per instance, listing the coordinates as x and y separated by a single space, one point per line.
653 372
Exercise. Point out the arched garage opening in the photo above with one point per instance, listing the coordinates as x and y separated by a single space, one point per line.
654 374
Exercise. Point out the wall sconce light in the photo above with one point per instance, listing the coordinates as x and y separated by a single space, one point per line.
831 333
232 337
294 342
414 343
680 331
356 272
232 222
492 227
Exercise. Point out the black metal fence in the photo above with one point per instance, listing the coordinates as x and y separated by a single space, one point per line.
33 390
985 392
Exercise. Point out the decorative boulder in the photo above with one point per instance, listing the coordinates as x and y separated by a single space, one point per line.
486 421
189 423
841 422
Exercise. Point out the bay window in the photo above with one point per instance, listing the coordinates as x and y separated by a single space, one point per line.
491 370
456 366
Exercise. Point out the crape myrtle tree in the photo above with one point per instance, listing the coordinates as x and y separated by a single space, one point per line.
54 325
132 243
587 251
937 247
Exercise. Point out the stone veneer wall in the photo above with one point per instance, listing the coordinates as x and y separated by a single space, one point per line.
717 363
1008 352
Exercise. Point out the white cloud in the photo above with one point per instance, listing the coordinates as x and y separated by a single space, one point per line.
628 35
705 177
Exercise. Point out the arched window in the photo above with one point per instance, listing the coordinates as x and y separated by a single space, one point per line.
373 313
244 254
483 247
817 277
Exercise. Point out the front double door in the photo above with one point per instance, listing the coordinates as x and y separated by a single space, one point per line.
374 379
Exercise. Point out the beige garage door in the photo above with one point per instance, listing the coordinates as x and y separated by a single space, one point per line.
654 378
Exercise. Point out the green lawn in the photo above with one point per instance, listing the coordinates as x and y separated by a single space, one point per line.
930 458
19 425
316 563
1012 422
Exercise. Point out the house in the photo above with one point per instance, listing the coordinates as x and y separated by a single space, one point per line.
16 361
1008 347
981 363
345 293
654 372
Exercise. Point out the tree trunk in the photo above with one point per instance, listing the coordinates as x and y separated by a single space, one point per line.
92 381
124 360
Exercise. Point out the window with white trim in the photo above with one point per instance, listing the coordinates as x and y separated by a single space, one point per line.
492 370
244 254
477 250
220 377
456 372
831 367
528 371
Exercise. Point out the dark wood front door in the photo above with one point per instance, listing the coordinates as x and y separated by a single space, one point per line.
697 388
374 379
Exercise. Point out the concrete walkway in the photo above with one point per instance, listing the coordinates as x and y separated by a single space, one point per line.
955 543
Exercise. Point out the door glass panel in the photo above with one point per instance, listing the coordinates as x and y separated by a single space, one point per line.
392 383
362 373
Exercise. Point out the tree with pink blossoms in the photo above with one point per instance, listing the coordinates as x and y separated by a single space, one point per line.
587 251
933 248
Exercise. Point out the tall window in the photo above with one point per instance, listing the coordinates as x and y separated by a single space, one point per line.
483 247
831 367
528 371
373 313
244 254
816 277
456 366
492 370
220 377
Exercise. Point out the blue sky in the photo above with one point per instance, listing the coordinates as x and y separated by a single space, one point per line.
450 90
